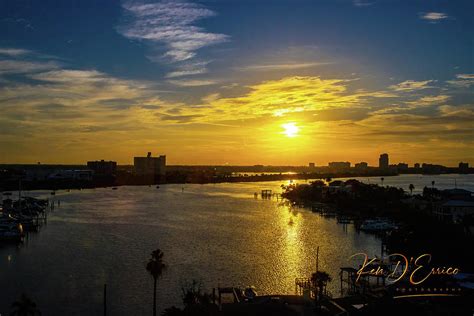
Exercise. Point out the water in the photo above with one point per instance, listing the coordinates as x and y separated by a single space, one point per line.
217 234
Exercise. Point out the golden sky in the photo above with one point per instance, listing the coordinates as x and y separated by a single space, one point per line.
76 115
226 83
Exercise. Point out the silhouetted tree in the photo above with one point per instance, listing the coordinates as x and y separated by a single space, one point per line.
336 183
318 183
411 188
172 311
24 307
195 301
155 267
381 179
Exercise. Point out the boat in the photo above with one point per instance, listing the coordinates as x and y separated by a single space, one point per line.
377 225
250 292
329 213
11 232
27 223
157 186
344 220
114 188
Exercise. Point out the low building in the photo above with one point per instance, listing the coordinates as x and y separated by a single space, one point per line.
81 175
102 167
463 167
361 165
416 203
37 174
456 206
339 166
402 166
455 211
428 168
457 194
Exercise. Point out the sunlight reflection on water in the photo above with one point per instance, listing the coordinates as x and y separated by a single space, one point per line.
217 233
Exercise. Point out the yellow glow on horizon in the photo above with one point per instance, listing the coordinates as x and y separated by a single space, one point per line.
290 129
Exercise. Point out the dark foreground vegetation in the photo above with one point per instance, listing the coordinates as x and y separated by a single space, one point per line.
419 229
197 302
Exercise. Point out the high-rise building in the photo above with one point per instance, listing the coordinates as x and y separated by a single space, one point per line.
383 161
463 166
311 165
149 165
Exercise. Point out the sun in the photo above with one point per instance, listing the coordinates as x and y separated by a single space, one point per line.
290 129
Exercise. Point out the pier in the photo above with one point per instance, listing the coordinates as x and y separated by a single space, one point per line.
268 195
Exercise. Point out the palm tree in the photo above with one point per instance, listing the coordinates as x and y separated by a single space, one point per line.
381 179
24 307
411 187
320 280
155 267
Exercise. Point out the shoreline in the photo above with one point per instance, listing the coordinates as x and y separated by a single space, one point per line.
189 179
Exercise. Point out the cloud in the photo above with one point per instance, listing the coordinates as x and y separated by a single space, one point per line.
85 90
211 97
178 118
434 99
182 73
189 69
192 83
26 24
362 3
462 81
465 76
428 101
448 117
88 114
64 103
433 17
411 85
462 111
14 52
289 66
170 23
284 97
452 123
70 76
21 67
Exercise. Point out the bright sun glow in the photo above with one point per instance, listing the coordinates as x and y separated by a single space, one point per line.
290 129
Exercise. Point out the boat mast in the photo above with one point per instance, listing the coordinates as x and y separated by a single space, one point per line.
19 193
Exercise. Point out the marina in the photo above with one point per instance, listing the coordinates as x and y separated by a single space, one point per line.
18 218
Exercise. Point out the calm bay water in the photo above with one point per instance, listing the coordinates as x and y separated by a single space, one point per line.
217 234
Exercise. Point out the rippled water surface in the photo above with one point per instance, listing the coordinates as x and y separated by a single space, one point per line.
217 234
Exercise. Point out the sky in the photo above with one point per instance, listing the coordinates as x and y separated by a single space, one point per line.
237 82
